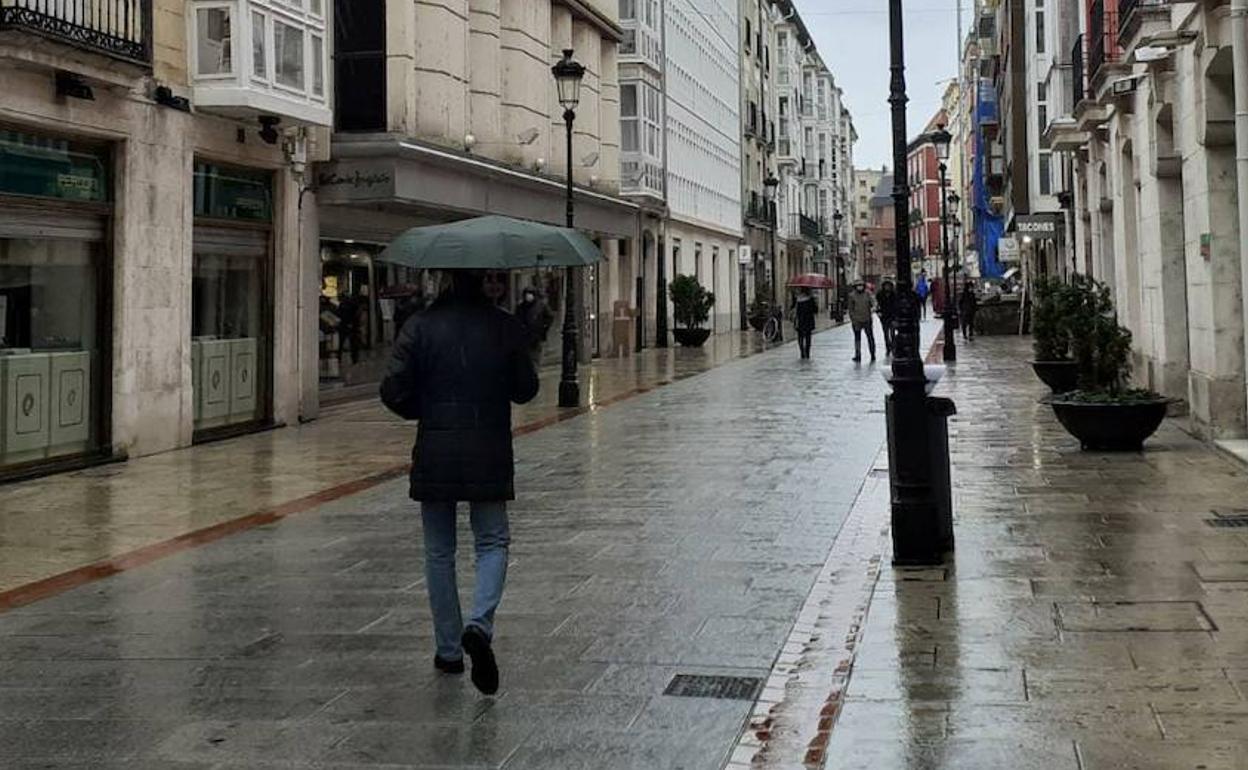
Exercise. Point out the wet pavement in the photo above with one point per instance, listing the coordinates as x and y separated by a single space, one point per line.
1092 617
677 532
729 524
132 511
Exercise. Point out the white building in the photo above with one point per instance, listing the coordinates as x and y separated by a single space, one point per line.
703 145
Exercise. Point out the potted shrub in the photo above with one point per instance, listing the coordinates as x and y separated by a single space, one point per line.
757 313
1104 413
692 308
1050 333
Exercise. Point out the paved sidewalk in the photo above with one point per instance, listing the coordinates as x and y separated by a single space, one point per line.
1092 619
678 532
126 513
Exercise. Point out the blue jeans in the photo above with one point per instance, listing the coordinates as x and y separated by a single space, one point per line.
493 536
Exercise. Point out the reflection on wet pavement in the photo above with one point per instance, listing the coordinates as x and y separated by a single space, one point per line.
678 532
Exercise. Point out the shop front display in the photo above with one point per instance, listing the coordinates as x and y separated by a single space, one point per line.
231 304
54 216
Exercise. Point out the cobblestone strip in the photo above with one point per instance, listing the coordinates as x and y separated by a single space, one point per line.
801 700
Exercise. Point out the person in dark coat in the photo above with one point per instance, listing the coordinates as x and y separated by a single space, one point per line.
886 301
457 368
536 318
805 308
968 306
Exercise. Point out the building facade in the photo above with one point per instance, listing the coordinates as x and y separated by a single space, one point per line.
923 172
426 133
154 239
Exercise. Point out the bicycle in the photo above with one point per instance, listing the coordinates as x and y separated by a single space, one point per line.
772 330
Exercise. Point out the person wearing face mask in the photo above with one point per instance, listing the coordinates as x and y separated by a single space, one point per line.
536 317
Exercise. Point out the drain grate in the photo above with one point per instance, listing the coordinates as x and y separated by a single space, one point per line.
1228 522
721 687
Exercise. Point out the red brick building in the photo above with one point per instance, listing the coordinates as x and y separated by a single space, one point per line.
923 173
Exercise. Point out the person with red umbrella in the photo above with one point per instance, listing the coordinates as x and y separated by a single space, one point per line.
804 312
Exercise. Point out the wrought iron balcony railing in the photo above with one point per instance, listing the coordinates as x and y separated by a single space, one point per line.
808 226
121 29
759 210
1077 84
1102 37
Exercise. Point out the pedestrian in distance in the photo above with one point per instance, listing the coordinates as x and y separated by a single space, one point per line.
536 317
968 306
805 309
860 305
924 290
457 368
886 301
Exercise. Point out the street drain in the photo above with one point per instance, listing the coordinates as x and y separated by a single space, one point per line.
1228 522
721 687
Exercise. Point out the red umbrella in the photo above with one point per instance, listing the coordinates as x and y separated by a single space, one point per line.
811 281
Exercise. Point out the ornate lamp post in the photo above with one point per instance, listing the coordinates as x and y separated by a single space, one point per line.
941 139
771 184
920 535
568 74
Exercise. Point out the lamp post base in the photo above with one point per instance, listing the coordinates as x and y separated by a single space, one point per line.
569 394
951 335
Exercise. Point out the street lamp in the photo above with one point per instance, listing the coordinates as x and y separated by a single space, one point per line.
568 74
837 219
771 183
921 528
941 139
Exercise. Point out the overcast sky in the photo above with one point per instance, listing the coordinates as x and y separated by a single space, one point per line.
852 36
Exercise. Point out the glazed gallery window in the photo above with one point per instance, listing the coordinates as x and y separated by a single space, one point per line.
51 354
288 55
213 43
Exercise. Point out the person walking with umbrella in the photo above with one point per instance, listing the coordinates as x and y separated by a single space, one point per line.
804 312
457 368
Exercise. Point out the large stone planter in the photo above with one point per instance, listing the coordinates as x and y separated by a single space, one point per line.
1110 427
1060 376
691 338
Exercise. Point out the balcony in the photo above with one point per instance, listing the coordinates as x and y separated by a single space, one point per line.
808 227
1102 38
1132 12
759 211
261 58
1078 86
120 29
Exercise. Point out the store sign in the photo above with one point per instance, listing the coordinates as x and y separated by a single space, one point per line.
348 182
745 255
1038 226
1007 250
50 167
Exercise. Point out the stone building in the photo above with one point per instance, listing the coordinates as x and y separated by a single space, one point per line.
155 237
448 109
1152 144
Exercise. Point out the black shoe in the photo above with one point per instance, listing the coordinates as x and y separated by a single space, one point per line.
484 667
448 666
857 359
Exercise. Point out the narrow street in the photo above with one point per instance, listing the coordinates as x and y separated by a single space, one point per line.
676 532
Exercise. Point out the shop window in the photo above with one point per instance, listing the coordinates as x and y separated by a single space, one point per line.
51 167
223 192
51 349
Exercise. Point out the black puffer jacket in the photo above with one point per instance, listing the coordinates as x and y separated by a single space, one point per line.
456 368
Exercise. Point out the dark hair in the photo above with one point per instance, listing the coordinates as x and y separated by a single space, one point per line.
466 284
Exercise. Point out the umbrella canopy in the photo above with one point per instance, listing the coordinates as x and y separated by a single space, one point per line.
491 243
811 281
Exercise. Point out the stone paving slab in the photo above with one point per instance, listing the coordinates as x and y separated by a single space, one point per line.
1090 618
677 532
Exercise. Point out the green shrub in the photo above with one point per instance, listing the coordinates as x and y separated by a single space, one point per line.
1101 347
1050 328
691 302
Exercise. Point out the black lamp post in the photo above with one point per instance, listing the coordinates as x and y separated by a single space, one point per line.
918 530
771 184
568 74
941 139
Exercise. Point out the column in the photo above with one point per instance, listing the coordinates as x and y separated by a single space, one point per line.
485 77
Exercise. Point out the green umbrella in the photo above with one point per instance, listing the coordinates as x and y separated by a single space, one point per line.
491 243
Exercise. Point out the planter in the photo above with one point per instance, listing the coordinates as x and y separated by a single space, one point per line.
1111 427
691 338
757 322
1060 376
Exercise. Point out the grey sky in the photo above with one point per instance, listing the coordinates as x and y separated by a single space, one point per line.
852 36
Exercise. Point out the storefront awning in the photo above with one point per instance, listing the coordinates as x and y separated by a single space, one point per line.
406 184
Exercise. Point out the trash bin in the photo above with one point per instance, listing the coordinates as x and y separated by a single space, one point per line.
939 410
922 526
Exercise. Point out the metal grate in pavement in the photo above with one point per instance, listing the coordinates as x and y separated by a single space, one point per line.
721 687
1228 522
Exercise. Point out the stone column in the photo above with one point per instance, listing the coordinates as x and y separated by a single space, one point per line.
441 64
527 85
485 83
